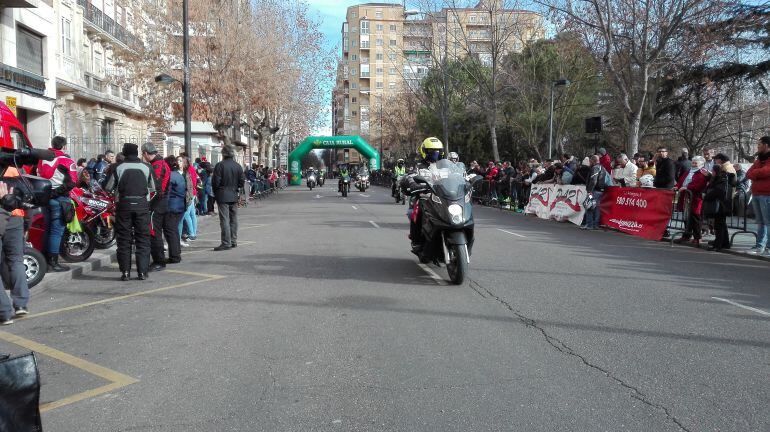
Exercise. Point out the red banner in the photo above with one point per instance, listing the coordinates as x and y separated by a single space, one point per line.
642 212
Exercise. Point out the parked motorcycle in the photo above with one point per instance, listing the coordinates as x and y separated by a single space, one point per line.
311 180
96 209
362 182
447 218
345 185
35 267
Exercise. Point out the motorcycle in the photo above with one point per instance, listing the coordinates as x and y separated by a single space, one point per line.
321 179
399 195
311 181
345 185
447 218
35 267
96 208
362 182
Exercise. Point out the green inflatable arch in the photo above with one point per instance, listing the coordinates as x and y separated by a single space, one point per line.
326 142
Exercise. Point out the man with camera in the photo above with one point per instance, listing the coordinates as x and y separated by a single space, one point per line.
63 174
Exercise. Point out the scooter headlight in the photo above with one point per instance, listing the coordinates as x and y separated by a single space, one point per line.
456 211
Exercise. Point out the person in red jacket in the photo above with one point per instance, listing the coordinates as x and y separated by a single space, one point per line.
605 160
695 181
164 223
63 174
759 174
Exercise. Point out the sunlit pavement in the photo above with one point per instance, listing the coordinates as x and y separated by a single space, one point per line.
322 320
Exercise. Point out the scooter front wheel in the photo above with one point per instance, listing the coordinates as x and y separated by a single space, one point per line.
457 267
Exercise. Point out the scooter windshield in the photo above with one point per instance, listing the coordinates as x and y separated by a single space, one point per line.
447 179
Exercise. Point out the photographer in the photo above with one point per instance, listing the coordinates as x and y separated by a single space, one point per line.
12 247
63 174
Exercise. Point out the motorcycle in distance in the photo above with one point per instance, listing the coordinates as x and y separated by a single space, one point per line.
400 198
311 180
321 178
345 185
362 181
447 217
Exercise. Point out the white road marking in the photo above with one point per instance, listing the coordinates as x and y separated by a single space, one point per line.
432 274
374 224
354 207
511 233
318 196
753 309
365 195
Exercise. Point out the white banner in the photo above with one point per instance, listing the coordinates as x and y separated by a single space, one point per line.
557 202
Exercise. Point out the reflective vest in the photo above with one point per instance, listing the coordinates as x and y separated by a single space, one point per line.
13 172
400 170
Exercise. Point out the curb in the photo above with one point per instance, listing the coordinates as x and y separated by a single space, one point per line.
98 260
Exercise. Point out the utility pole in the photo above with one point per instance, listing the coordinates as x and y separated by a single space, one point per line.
186 79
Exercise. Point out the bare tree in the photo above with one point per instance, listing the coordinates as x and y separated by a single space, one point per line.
637 42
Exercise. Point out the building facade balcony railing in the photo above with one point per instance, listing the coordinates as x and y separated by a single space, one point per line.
365 74
102 21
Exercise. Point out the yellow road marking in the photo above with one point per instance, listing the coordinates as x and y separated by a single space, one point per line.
127 296
117 379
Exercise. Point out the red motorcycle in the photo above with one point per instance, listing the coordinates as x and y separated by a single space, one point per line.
96 209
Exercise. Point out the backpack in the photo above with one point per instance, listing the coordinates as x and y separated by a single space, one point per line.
604 180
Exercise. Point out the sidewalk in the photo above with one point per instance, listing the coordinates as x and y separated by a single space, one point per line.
100 259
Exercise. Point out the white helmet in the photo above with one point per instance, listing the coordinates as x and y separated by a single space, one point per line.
647 181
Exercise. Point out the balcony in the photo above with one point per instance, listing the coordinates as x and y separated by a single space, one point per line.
98 22
365 74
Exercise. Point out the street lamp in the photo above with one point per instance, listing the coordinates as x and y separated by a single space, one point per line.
166 79
561 82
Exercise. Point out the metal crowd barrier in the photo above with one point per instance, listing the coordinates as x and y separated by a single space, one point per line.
739 216
681 207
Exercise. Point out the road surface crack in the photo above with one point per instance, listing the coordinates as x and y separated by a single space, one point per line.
565 349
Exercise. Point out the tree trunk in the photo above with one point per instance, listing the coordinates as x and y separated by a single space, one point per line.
632 146
493 137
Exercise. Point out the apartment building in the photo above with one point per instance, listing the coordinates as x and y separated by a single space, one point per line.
27 66
96 106
387 49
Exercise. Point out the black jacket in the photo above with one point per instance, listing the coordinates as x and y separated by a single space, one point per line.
665 174
227 180
582 175
132 182
720 189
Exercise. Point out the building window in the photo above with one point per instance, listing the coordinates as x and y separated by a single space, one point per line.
364 27
379 84
353 43
353 14
379 56
392 71
393 28
392 42
391 85
378 14
353 57
352 100
66 37
29 51
379 42
354 85
379 71
354 113
472 18
392 56
379 28
353 71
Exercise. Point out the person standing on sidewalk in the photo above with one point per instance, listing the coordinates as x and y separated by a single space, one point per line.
164 224
132 183
227 181
759 174
597 182
63 174
665 170
12 248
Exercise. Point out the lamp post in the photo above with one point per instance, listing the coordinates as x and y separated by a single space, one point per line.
562 82
166 79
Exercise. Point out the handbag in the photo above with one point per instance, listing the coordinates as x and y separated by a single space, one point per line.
589 203
19 394
711 208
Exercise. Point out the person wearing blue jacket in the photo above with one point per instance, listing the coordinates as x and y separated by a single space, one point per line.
178 196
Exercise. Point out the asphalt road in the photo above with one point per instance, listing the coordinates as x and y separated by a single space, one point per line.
321 320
